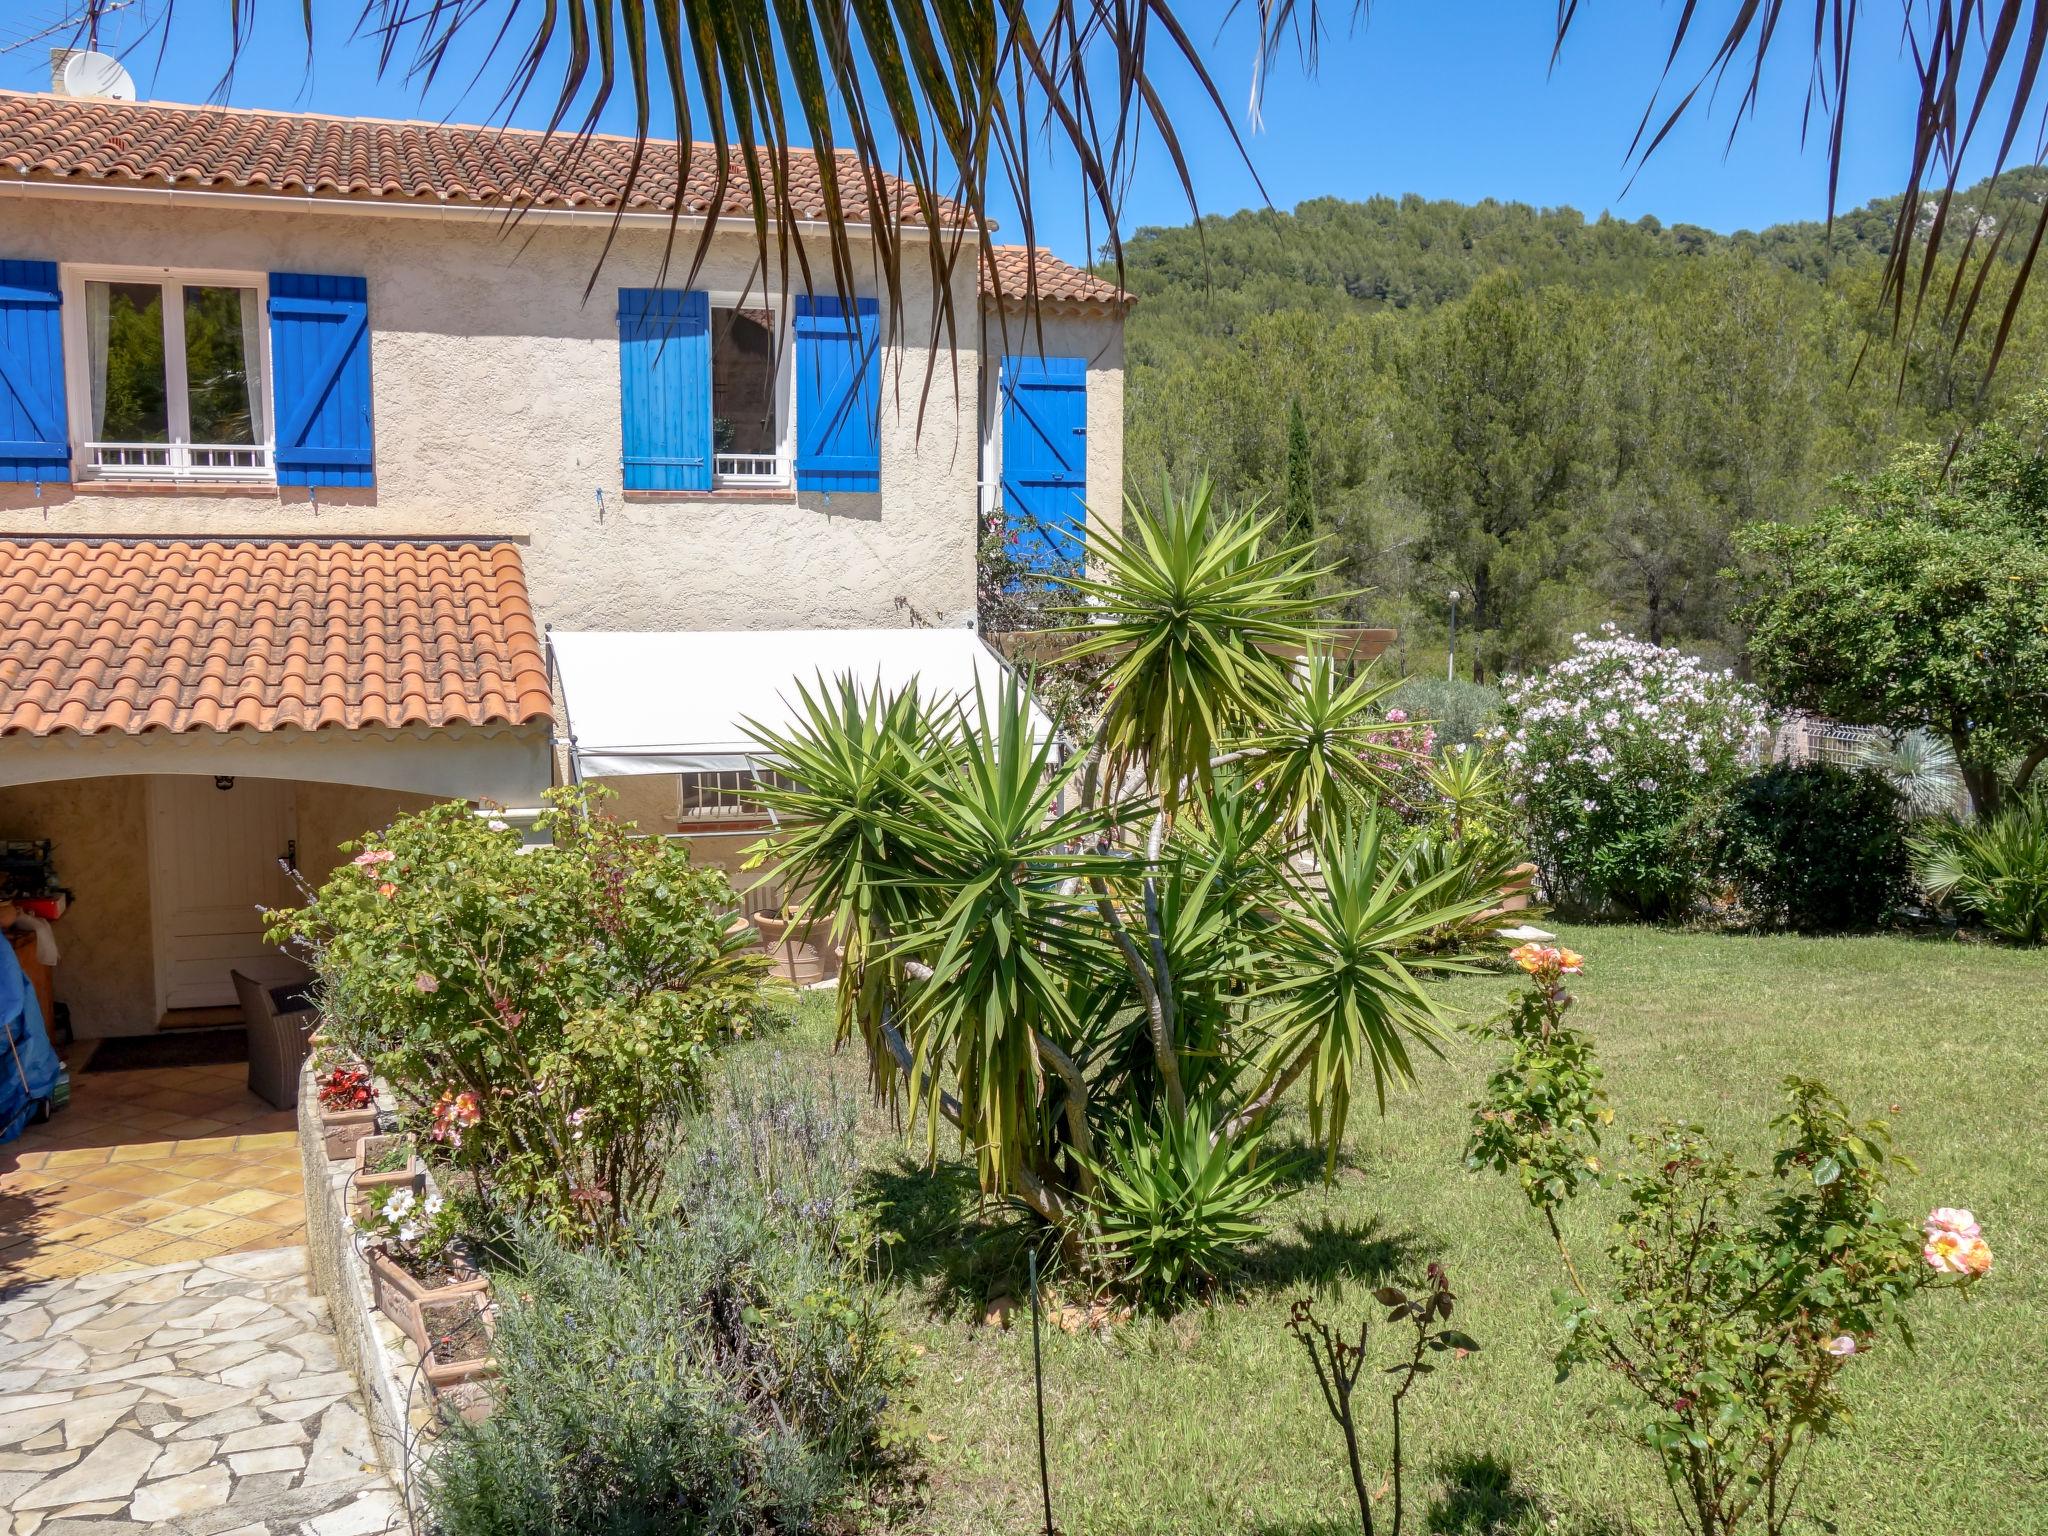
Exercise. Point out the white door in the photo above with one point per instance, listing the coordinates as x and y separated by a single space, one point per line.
213 857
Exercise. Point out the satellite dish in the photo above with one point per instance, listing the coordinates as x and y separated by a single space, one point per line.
97 74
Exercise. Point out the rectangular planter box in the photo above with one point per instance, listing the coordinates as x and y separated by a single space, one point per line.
399 1296
460 1385
341 1129
367 1185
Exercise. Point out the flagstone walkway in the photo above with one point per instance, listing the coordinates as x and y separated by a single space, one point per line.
201 1398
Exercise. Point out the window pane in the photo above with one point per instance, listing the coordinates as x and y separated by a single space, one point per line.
743 381
220 351
125 336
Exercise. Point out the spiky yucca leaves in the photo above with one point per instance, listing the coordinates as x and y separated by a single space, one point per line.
1318 748
844 848
1000 927
1345 999
1177 1202
1199 627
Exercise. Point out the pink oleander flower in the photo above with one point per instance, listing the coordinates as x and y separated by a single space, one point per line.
423 982
1840 1345
371 858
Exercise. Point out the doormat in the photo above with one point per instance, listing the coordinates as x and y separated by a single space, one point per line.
182 1048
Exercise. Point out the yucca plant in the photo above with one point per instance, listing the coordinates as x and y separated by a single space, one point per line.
1177 1204
1108 960
1993 871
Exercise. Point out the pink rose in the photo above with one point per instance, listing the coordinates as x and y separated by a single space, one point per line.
425 983
1948 1218
1841 1344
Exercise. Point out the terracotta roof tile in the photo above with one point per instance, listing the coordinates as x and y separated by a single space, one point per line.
1016 268
260 635
73 139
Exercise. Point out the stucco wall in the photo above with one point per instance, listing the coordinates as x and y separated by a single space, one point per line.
1096 336
496 396
98 830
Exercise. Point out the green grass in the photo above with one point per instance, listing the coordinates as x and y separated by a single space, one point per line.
1209 1422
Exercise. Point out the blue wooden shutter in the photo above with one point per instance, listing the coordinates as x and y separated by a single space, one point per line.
665 389
838 394
320 372
35 432
1045 454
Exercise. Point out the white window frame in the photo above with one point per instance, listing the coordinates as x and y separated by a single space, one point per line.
180 460
748 471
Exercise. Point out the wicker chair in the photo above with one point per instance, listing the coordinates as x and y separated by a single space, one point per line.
277 1042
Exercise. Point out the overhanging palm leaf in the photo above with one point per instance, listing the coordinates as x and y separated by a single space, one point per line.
1200 628
1347 999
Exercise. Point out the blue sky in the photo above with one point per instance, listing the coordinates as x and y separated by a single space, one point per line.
1445 99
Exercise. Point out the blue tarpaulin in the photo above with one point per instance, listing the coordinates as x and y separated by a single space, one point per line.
28 1075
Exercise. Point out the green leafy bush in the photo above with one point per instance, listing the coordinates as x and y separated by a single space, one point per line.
1614 755
1994 872
1813 847
1174 1206
725 1371
545 1016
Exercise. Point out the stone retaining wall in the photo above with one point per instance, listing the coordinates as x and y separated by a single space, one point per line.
371 1345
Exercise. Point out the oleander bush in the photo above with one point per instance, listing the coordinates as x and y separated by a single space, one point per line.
1616 757
1813 847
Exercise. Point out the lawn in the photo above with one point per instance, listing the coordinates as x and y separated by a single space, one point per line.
1209 1422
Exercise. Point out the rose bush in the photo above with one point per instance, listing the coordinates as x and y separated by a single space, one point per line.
1612 757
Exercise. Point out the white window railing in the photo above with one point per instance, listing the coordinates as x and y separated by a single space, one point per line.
178 461
742 469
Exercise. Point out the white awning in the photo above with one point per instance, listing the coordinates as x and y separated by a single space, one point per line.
675 701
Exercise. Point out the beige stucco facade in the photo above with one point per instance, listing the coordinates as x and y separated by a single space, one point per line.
495 388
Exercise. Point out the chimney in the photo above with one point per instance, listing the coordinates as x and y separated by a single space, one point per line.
59 57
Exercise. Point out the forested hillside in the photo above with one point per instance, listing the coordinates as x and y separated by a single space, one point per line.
1563 418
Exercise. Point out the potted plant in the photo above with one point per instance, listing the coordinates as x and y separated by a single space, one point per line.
415 1258
383 1163
799 945
457 1357
348 1108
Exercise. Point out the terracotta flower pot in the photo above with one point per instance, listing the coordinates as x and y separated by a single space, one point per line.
399 1295
370 1186
457 1360
341 1129
802 955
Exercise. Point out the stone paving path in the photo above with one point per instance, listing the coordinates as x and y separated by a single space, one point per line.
194 1399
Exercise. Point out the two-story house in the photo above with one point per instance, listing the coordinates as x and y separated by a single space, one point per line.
345 464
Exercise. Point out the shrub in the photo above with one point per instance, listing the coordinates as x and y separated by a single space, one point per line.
726 1370
1735 1300
1459 711
1994 871
546 1017
1615 754
1813 847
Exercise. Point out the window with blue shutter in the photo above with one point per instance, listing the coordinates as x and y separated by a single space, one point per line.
665 389
838 394
320 371
35 433
1045 455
